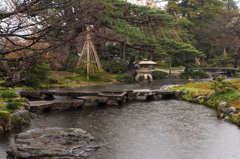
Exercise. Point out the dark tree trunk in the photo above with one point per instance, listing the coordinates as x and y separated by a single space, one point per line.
131 65
121 51
124 51
207 57
170 64
235 57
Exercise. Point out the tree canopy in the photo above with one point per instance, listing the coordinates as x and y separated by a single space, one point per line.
38 30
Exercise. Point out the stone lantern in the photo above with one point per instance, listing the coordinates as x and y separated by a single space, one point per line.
144 70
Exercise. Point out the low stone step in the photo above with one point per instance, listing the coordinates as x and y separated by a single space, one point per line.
162 91
76 94
114 95
54 92
93 99
39 105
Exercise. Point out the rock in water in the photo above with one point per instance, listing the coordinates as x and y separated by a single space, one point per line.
53 142
22 113
229 110
177 93
222 105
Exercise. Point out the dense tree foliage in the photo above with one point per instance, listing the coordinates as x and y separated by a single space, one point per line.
32 31
149 30
46 31
214 24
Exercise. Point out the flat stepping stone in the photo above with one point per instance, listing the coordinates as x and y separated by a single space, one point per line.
39 105
56 92
76 94
53 142
162 91
94 99
144 92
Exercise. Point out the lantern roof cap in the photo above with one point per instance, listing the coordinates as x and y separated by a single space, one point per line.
146 62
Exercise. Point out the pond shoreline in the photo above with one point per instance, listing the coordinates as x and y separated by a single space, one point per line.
82 118
224 110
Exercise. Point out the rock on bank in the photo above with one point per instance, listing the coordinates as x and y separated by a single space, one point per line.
53 142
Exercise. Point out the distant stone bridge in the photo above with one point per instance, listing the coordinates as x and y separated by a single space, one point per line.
218 70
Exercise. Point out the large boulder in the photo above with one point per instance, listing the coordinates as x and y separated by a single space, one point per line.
199 98
177 93
222 105
22 113
19 118
229 110
205 98
53 142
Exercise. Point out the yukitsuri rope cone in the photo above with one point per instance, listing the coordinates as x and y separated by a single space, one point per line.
88 59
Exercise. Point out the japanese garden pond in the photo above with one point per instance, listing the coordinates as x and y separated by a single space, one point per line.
146 129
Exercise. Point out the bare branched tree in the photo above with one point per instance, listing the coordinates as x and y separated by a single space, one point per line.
32 30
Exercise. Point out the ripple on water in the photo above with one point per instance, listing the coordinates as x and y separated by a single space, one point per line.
148 130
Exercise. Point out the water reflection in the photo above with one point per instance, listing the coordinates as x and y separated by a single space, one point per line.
147 130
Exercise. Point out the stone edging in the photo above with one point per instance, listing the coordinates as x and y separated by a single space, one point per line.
224 112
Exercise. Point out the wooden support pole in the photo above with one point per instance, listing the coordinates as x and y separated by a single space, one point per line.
96 57
170 63
88 57
81 55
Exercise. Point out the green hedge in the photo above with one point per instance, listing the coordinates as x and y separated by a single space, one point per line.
194 74
37 76
158 74
13 105
124 78
114 67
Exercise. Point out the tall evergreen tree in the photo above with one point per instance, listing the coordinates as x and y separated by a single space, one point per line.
150 30
199 13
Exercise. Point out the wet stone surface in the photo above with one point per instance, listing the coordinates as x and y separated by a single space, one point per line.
53 142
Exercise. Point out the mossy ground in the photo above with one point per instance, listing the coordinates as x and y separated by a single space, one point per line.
4 119
231 97
8 120
71 79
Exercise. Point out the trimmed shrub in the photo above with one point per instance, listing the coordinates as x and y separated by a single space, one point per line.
220 86
8 94
13 105
221 61
194 74
124 78
114 67
139 58
158 74
37 76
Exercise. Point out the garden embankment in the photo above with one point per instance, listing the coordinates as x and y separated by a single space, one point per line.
224 96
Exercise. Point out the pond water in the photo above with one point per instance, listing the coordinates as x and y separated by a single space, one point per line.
146 129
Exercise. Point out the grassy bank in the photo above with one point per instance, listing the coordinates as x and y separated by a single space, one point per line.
63 79
221 95
11 103
12 112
